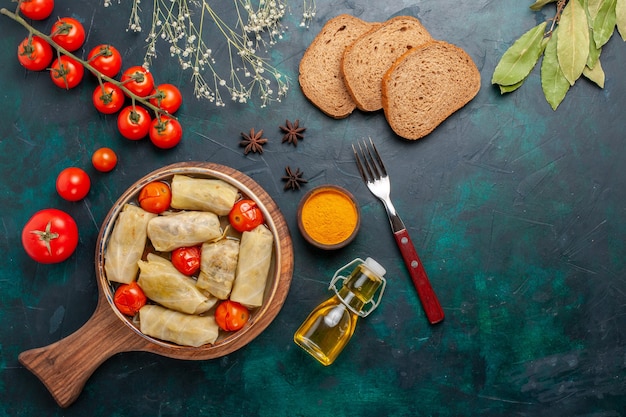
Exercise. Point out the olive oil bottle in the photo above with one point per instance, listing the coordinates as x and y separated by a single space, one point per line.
327 330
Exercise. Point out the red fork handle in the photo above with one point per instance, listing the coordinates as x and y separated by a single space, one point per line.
425 291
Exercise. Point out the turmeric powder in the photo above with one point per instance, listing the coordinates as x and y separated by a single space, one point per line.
329 216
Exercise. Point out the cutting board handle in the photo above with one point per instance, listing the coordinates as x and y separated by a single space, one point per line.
65 366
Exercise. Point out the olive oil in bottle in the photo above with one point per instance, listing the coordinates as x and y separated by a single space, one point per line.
327 330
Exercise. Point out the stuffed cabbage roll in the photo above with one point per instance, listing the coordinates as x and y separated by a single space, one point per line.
255 256
126 244
165 285
203 194
185 228
176 327
218 264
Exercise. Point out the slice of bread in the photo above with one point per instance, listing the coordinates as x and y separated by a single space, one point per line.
365 61
426 85
320 75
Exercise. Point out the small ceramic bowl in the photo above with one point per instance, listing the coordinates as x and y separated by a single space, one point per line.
329 217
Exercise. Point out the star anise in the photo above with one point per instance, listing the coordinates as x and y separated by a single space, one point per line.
293 179
253 141
293 132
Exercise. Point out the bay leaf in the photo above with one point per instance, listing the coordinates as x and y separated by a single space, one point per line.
593 6
594 51
521 57
604 23
553 83
573 42
620 17
596 74
538 4
510 88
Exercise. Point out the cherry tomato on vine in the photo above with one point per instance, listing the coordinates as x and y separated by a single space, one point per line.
231 315
155 197
73 184
134 122
68 33
165 132
104 159
187 259
167 97
34 53
66 72
37 9
108 98
245 215
106 59
138 80
50 236
129 298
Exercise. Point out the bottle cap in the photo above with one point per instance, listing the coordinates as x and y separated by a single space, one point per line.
375 267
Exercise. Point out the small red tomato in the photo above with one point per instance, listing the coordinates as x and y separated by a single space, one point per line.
134 122
138 81
155 197
106 60
187 259
104 159
66 72
34 53
231 315
245 215
50 236
167 97
68 33
73 184
37 9
129 298
165 132
108 98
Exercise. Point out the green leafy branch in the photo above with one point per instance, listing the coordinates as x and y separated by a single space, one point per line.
571 47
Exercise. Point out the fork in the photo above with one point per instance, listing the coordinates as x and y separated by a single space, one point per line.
373 172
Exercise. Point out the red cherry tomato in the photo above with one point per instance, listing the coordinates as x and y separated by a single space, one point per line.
134 122
34 53
187 259
231 315
138 80
68 33
73 184
37 9
165 132
129 298
155 197
66 72
50 236
104 159
106 59
167 97
108 98
245 215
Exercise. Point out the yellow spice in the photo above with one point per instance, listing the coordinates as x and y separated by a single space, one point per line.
329 217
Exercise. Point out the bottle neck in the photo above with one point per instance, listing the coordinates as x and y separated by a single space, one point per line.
359 288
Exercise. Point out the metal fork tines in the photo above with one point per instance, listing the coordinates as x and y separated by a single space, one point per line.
375 176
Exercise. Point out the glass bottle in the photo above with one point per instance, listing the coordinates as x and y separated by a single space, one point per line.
329 327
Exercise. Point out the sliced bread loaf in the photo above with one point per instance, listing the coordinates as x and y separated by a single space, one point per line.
365 61
426 85
320 68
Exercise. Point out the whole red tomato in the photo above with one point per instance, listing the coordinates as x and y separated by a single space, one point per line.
106 59
245 215
73 184
231 315
138 80
104 159
68 33
167 97
165 132
37 9
108 98
187 259
133 122
34 53
66 72
129 298
50 236
155 197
